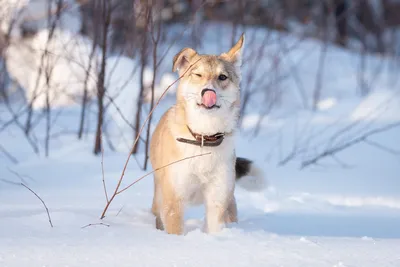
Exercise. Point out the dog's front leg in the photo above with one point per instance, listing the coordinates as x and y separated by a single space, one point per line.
172 206
219 195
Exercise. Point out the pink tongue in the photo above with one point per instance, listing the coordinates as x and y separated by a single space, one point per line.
209 99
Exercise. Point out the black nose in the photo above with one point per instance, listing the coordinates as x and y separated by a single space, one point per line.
205 90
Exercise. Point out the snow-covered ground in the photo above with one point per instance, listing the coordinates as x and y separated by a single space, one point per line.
342 211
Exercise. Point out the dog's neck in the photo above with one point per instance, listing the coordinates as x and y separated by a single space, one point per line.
207 123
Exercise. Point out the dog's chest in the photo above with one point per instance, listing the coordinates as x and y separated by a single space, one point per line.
202 167
203 160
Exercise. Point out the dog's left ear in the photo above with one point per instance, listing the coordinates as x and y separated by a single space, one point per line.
234 55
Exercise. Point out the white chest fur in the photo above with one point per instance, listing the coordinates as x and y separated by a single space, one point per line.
215 167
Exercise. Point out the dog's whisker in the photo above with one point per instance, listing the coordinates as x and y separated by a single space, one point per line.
190 98
191 94
226 101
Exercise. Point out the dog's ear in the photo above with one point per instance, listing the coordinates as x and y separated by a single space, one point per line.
182 59
234 55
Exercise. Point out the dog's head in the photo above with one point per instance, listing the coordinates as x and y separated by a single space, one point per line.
209 88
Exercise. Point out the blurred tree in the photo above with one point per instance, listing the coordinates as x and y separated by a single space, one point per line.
341 13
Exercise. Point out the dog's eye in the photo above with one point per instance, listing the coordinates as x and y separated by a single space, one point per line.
222 77
198 75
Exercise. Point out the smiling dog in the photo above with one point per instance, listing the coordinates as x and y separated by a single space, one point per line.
203 120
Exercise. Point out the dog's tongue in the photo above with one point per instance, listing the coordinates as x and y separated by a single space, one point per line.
209 99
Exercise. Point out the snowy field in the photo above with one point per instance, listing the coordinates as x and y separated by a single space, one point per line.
342 211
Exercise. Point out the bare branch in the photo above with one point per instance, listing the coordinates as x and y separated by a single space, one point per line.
43 66
143 62
44 204
33 192
17 122
339 148
137 138
382 147
155 40
121 114
94 224
120 210
157 169
20 176
8 155
86 82
101 90
102 172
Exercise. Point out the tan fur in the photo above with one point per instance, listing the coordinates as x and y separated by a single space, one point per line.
168 201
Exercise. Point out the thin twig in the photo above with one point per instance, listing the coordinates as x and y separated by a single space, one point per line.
44 204
137 138
122 115
94 224
20 176
382 147
340 162
27 187
143 62
102 172
155 40
120 210
43 58
8 155
16 121
339 148
86 82
157 169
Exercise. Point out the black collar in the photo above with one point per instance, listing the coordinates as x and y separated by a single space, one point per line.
203 140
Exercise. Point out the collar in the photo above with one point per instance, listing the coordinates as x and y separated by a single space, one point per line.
203 140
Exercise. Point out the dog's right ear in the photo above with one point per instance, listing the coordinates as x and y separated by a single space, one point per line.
182 59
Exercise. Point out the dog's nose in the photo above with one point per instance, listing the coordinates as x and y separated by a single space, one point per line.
205 90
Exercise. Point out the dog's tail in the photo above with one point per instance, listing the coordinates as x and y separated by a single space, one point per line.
249 176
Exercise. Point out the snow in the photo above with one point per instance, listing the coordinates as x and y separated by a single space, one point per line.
326 104
343 211
305 218
383 104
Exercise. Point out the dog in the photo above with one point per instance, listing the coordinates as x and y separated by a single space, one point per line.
192 147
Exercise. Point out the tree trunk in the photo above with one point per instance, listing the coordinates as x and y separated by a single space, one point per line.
106 16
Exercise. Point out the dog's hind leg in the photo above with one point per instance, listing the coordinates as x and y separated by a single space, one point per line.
219 199
231 212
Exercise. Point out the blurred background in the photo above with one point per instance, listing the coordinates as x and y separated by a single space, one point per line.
93 69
